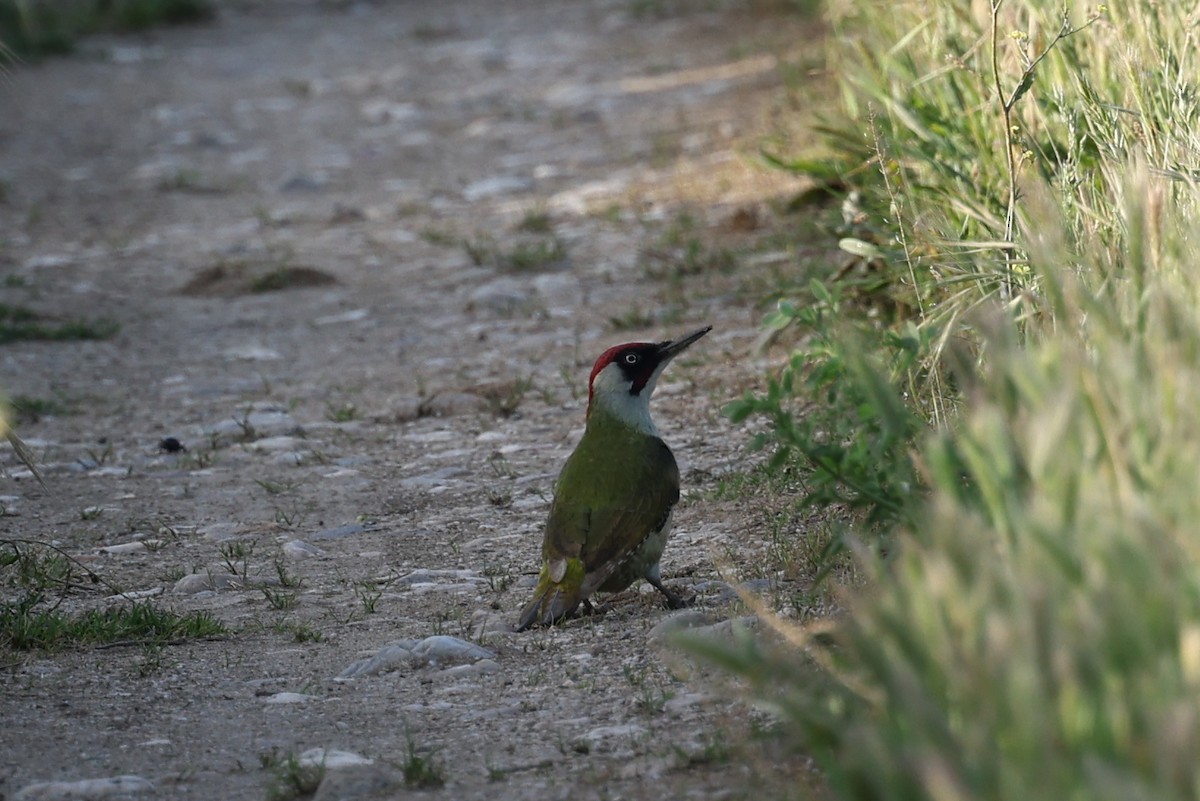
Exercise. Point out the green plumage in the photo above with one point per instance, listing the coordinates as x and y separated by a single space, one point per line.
606 527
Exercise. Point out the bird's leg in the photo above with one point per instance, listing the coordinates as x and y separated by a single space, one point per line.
674 599
589 610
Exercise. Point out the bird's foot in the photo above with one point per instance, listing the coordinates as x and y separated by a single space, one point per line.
674 599
587 609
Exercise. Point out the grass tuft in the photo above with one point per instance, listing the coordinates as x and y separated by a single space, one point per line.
528 254
18 323
421 769
24 628
43 576
292 778
30 409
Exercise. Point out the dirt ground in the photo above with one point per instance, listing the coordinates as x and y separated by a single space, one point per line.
362 256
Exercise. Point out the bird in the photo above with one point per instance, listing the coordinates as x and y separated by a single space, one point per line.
611 513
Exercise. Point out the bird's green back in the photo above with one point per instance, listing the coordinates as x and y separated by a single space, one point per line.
616 488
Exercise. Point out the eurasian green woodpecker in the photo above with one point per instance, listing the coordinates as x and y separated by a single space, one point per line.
612 503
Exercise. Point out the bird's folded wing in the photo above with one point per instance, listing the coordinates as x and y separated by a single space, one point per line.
603 535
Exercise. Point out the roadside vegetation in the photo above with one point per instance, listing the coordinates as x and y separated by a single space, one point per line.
32 29
1005 382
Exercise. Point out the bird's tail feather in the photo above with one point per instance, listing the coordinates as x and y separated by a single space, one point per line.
551 603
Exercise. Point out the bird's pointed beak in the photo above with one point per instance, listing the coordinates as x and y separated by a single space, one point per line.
671 348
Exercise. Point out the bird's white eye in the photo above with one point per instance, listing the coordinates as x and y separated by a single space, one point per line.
631 358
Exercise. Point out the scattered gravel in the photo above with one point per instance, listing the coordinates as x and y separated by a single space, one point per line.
276 209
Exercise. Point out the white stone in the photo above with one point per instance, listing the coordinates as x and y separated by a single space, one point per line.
85 789
612 738
124 547
361 783
438 478
687 619
426 576
443 649
298 549
483 667
290 698
437 650
267 423
333 759
380 111
199 582
504 295
685 702
494 187
387 658
136 595
352 316
277 443
579 199
253 353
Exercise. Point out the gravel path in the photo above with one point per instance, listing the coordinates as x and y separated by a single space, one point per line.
362 256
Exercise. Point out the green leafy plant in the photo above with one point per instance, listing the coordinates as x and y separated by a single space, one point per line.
835 413
341 413
421 769
369 592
